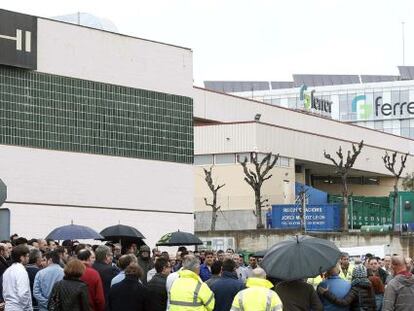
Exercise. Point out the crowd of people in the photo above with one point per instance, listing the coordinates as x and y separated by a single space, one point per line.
43 275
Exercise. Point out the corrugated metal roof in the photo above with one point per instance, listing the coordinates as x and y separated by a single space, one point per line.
321 80
378 78
406 72
282 84
237 86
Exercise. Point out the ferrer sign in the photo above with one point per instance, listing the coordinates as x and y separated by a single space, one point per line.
365 109
18 40
315 103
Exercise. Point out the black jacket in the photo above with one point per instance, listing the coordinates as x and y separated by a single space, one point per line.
157 293
297 296
32 270
360 297
107 273
146 264
383 275
128 295
3 265
72 295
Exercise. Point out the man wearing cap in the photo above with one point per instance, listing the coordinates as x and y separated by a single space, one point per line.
145 262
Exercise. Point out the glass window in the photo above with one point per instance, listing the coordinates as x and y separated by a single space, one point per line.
205 159
378 125
343 107
284 161
241 156
225 158
292 102
49 111
404 98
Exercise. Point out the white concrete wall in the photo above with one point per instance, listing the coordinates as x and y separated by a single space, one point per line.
53 177
225 108
80 52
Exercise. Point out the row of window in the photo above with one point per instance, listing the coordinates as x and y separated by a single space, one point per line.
355 180
346 102
62 118
11 80
93 107
52 123
233 158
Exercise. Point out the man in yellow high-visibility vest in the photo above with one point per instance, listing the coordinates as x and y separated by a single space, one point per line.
188 292
258 295
346 268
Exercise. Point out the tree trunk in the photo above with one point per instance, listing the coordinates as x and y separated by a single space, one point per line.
394 208
344 211
213 219
259 222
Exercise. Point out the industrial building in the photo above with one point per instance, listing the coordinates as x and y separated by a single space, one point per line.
101 128
381 102
94 126
229 127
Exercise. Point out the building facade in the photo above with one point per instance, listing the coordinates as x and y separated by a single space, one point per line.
384 103
93 126
229 128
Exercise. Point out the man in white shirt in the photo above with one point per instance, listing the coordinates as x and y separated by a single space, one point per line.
16 285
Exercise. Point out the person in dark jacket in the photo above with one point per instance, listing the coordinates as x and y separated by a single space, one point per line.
399 294
298 295
4 253
157 291
227 286
360 297
338 286
103 264
129 294
145 262
215 273
33 267
70 294
373 265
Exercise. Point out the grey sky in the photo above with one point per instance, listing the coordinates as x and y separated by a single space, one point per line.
261 39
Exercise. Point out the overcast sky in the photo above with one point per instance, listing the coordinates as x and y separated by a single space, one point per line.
260 39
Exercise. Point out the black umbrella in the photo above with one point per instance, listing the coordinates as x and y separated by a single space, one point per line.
73 232
119 232
179 238
300 257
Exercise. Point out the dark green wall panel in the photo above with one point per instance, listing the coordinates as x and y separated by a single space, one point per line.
60 113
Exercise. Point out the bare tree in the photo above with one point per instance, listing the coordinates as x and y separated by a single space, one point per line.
214 189
301 198
255 178
389 162
343 167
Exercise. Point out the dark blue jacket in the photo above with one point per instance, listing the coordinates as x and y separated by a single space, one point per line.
225 289
205 272
340 288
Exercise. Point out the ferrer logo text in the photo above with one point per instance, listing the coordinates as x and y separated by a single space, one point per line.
312 102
